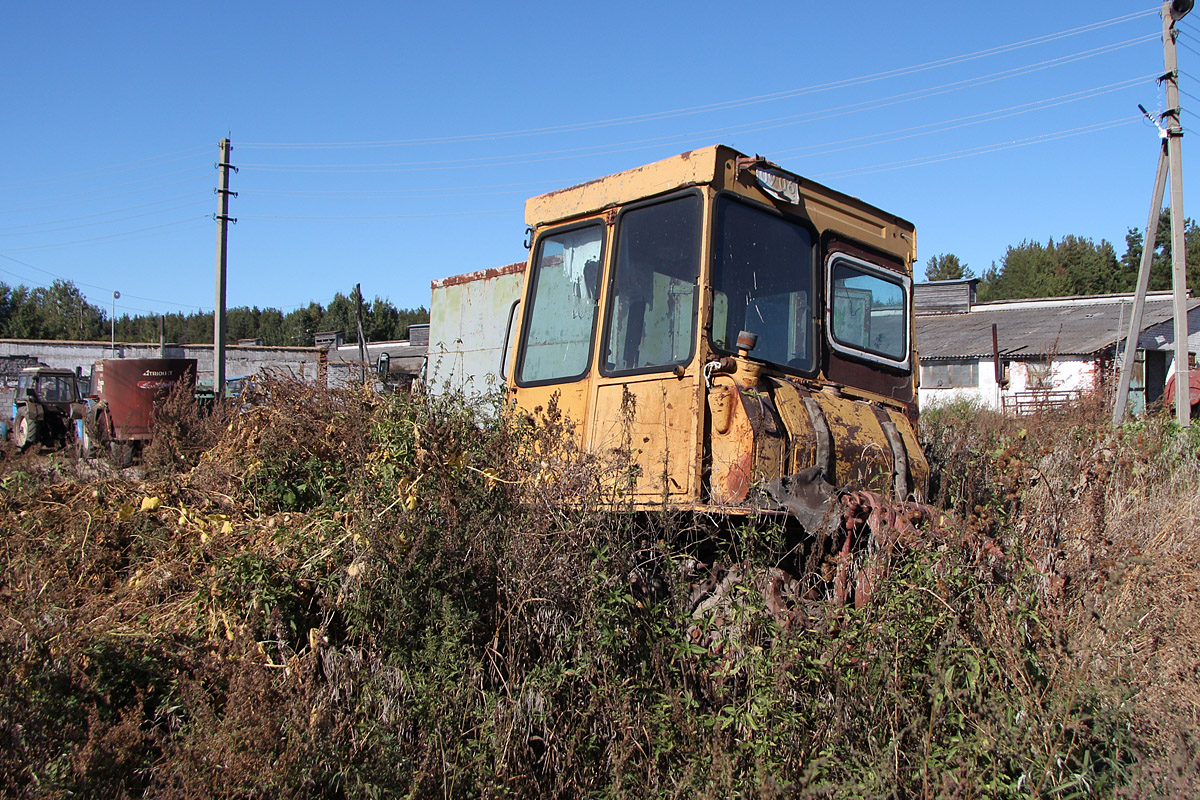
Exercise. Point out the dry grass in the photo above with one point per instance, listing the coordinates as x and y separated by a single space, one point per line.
1106 521
331 594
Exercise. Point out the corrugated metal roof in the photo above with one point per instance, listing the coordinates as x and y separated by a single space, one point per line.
1066 329
1162 335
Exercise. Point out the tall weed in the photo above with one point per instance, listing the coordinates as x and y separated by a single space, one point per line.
334 594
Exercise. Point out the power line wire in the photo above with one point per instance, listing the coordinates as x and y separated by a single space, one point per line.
948 124
588 152
19 232
378 194
106 191
1191 50
100 171
725 105
108 221
91 196
960 122
824 148
380 217
919 161
982 149
110 237
77 284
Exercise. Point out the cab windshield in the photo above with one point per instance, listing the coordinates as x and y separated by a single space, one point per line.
762 279
57 388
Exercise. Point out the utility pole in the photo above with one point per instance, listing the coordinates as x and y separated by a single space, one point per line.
362 342
112 325
1170 161
223 219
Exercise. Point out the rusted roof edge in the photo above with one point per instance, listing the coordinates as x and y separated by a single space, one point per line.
479 275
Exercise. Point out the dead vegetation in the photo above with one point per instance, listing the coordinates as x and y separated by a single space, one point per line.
328 594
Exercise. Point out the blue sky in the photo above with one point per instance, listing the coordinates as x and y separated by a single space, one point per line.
391 144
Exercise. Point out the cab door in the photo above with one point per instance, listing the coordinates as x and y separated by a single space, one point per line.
553 365
646 408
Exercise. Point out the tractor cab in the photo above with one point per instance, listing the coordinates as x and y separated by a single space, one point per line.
45 405
729 325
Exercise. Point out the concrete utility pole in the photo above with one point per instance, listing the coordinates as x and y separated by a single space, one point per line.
223 219
362 342
1170 160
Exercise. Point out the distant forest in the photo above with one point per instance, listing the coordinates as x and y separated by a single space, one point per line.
1075 266
60 311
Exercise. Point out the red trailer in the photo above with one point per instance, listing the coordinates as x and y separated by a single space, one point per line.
124 392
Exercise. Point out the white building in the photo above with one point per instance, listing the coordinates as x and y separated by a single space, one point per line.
1026 354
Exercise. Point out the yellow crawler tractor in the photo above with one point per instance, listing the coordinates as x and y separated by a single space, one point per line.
744 332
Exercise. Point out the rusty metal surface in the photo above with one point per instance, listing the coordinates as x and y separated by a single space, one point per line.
862 455
717 166
731 445
468 322
807 437
479 275
129 388
709 434
808 497
655 423
770 438
918 465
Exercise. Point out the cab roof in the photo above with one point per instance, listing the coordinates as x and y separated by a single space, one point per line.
718 165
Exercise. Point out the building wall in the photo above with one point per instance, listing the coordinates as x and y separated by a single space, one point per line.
1068 373
240 360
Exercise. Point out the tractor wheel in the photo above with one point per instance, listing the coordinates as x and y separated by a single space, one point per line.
25 432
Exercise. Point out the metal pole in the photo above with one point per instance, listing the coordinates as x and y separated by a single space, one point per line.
112 326
223 219
1149 242
1173 10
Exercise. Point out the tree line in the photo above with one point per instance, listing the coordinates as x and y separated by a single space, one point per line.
60 311
1075 265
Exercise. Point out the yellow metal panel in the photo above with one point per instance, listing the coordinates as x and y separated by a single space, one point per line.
570 400
801 436
686 169
732 444
655 420
918 465
862 454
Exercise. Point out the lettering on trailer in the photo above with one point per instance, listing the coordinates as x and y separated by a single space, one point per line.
158 384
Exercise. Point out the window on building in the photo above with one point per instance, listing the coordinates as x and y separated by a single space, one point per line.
1039 375
950 375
